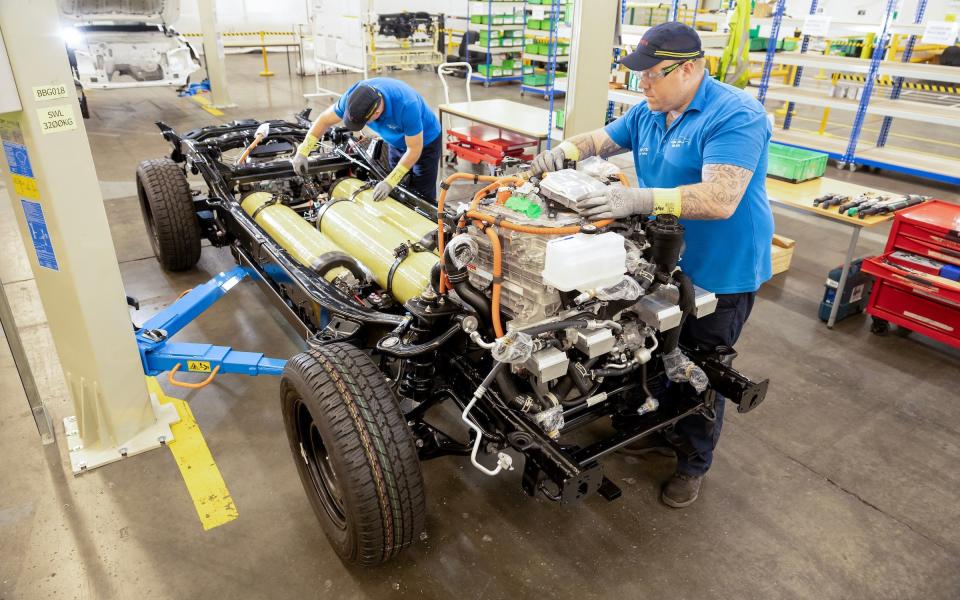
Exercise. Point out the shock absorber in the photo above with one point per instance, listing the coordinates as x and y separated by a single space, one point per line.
418 376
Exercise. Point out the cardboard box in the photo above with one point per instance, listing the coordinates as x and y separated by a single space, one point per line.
763 9
781 253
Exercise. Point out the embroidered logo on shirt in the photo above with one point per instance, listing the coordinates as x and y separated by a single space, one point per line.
643 151
678 141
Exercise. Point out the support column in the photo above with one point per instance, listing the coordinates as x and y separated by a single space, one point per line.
59 210
594 24
213 57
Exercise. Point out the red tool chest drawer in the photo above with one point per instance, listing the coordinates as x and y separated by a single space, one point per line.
913 296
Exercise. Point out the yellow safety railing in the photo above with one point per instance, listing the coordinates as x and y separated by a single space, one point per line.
266 72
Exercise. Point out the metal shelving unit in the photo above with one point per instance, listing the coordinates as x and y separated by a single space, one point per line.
492 9
853 151
550 61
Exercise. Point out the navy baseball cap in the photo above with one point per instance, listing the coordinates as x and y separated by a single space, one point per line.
667 41
361 105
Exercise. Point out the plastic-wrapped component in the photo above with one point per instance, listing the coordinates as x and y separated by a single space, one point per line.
595 166
625 289
515 347
463 250
681 369
550 420
568 186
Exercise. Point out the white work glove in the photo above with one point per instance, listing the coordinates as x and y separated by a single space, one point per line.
382 190
299 165
552 160
616 202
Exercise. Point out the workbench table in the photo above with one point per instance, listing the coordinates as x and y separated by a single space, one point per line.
800 196
506 116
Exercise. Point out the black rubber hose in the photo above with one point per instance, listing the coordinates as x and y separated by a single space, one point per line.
508 388
466 291
615 371
687 304
563 388
435 277
555 326
408 351
582 398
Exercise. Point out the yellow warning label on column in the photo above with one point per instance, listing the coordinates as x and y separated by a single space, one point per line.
198 366
25 187
56 118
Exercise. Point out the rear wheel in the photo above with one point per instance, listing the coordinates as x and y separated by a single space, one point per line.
168 213
354 452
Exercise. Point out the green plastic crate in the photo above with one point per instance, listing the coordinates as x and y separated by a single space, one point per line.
535 79
795 164
760 43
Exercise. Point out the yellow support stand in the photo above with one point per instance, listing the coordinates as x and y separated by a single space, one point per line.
823 121
266 72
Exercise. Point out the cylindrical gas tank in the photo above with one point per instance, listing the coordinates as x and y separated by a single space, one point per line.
305 244
414 226
373 242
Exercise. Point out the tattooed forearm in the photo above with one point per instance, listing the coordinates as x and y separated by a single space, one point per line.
595 143
718 195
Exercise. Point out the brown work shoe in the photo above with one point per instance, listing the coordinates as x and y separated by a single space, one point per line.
654 443
681 490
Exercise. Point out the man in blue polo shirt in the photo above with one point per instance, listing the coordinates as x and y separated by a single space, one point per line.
399 115
700 149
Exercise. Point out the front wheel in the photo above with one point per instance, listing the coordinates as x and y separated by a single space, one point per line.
354 452
167 207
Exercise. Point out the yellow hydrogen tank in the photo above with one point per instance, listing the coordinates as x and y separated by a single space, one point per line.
372 241
295 235
413 225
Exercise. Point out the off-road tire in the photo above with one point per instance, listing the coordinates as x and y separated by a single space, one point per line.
168 213
342 419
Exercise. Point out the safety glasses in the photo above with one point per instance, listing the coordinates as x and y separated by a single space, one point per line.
648 77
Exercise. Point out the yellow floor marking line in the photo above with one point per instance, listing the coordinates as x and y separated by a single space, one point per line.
204 103
200 473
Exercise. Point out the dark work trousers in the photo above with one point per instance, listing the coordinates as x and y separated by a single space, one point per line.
422 179
721 328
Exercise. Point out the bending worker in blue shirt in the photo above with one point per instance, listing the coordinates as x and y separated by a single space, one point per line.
398 114
700 149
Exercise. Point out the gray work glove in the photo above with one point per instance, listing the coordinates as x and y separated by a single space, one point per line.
552 160
299 164
382 190
616 202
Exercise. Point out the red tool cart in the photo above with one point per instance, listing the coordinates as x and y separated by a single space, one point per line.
479 143
917 285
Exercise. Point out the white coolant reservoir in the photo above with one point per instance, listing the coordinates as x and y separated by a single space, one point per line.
584 261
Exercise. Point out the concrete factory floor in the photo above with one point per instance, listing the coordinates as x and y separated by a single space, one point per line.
844 484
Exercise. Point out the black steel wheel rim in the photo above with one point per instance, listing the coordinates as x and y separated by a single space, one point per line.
319 466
